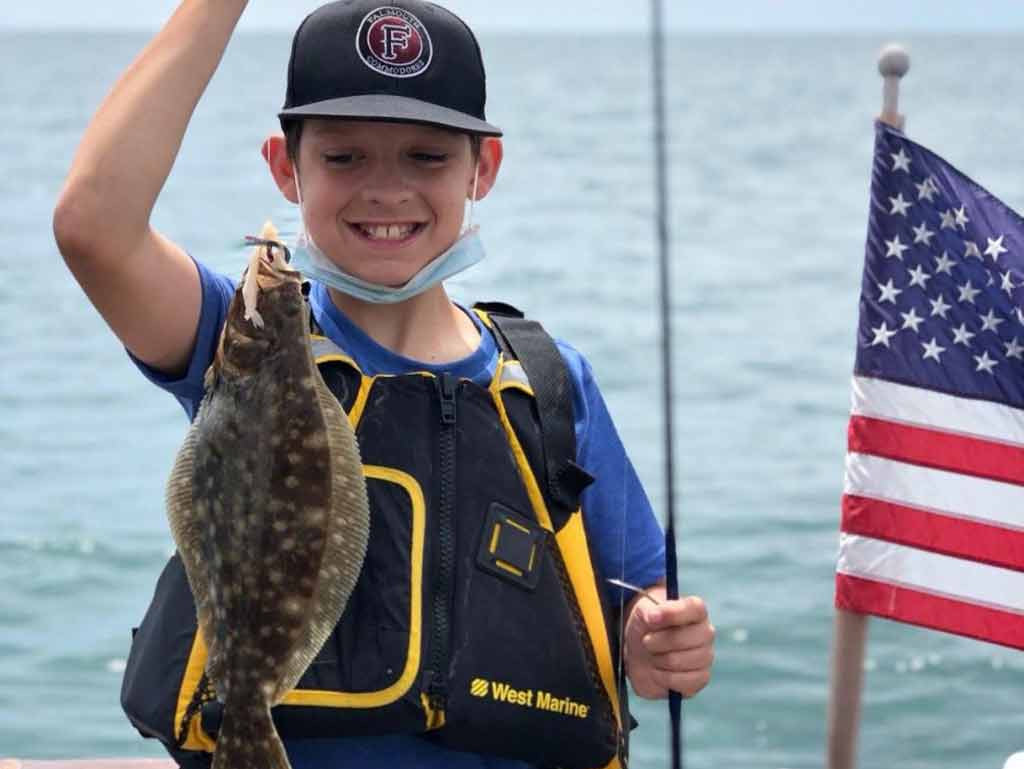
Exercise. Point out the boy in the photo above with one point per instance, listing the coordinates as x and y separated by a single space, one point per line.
502 659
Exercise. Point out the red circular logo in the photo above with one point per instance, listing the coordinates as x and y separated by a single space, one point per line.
394 42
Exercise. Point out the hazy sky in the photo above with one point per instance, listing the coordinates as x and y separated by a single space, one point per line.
744 15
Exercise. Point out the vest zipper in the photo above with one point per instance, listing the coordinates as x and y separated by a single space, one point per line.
436 677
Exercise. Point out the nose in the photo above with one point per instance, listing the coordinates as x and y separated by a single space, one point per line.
387 186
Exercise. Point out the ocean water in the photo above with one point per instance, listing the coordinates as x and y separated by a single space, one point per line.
770 159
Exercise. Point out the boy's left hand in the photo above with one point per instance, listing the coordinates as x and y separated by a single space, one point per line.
669 646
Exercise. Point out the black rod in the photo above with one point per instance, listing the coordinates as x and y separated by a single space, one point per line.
675 702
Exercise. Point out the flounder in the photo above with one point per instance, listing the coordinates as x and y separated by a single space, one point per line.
267 504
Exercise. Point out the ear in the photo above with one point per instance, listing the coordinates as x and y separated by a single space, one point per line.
491 153
275 152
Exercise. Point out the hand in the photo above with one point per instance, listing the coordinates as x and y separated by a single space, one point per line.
669 646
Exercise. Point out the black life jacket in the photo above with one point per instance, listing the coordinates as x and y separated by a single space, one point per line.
478 619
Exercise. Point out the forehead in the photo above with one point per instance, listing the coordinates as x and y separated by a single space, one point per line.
378 130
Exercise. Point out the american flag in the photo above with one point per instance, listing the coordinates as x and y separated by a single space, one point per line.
933 503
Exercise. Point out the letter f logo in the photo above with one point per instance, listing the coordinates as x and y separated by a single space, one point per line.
396 38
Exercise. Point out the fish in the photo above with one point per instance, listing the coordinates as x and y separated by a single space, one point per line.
267 505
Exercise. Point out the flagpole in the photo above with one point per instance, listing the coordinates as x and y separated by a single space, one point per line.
850 630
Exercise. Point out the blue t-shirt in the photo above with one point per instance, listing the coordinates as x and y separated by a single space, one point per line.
614 501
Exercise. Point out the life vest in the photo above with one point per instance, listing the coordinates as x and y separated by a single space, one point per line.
478 619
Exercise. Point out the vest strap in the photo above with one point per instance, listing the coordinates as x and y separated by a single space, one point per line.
536 351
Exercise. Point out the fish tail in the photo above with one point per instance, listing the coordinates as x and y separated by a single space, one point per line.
247 738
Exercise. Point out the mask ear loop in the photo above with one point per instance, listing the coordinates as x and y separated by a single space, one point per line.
472 200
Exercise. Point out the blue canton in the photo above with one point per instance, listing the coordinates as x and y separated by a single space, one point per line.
943 290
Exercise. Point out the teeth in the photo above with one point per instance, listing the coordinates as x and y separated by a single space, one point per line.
388 231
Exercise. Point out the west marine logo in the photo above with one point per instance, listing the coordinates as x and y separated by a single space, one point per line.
528 698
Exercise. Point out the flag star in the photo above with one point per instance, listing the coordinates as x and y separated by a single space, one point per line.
995 248
961 217
899 205
1007 282
990 280
984 362
968 292
895 247
990 322
910 319
926 190
1020 315
971 249
939 307
918 277
889 292
922 234
962 335
948 220
882 335
933 350
900 161
1014 349
944 264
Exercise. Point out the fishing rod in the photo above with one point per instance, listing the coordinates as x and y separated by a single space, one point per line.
675 700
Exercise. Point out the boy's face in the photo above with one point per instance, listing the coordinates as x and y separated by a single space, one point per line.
383 199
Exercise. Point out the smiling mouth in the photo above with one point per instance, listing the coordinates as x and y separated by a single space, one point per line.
388 233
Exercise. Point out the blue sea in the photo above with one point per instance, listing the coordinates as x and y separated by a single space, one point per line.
770 147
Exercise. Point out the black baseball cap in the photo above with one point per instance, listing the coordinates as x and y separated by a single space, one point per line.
403 60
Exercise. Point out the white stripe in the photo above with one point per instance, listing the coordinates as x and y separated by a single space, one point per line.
932 573
916 406
961 496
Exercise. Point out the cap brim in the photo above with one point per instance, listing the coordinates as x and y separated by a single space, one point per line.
397 108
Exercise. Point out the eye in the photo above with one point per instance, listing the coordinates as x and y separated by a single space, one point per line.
338 158
429 157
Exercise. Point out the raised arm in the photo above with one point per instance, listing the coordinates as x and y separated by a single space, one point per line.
144 286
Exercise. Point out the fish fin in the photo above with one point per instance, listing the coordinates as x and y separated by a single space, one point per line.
247 738
350 513
185 518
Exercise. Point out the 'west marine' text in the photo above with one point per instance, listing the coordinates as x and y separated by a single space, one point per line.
529 698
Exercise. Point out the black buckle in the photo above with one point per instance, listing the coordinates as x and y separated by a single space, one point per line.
512 547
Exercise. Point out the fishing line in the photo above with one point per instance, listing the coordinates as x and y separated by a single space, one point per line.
675 703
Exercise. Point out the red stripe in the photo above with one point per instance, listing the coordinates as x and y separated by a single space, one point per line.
937 533
947 614
934 448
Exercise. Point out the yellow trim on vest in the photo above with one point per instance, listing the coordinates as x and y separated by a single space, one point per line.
195 738
484 317
532 489
435 718
572 542
362 396
412 662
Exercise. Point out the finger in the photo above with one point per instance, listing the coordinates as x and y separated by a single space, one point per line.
679 638
682 611
685 661
687 684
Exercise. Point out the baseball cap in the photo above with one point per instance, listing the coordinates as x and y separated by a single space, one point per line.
403 60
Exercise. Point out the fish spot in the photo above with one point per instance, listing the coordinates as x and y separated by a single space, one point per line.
294 457
280 526
309 383
315 440
315 516
291 482
265 631
276 577
288 543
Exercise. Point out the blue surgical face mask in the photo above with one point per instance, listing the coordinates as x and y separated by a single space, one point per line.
313 263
